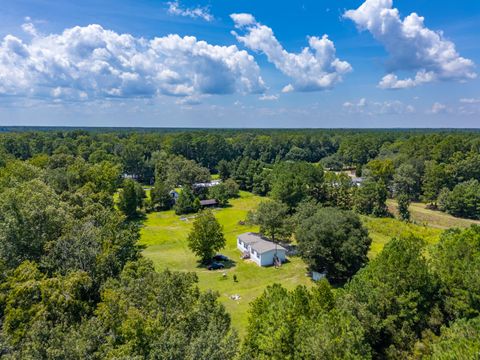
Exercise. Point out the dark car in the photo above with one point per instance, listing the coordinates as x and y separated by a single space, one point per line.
215 266
220 257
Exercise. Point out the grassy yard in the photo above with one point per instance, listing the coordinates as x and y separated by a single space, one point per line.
436 219
164 234
381 230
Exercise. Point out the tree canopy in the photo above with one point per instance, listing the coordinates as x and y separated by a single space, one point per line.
334 242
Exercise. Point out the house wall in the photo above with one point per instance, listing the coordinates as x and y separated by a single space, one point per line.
267 257
240 246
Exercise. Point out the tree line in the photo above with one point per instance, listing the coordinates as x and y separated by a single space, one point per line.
437 167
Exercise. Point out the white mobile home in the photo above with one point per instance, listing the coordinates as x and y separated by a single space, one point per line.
260 250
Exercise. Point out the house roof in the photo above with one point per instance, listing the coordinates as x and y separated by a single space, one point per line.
208 202
258 243
207 184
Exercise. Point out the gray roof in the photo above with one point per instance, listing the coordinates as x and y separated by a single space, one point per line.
258 243
208 202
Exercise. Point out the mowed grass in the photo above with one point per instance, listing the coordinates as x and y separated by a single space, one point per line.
436 219
165 236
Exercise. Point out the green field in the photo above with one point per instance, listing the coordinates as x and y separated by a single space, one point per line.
164 236
381 230
437 219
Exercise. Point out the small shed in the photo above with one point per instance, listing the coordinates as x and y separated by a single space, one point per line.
261 250
208 203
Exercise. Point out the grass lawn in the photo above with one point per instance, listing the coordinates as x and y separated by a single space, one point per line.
381 230
437 219
164 236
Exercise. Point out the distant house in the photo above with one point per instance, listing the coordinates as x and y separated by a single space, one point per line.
174 194
262 251
357 181
208 203
207 184
317 276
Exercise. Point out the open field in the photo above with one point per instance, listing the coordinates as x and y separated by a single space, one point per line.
381 230
436 219
164 236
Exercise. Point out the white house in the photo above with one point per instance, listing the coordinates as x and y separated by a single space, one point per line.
260 250
207 184
316 276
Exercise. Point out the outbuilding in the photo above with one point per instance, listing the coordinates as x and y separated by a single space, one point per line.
208 203
261 250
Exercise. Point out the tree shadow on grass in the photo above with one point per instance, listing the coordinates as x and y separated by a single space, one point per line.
228 264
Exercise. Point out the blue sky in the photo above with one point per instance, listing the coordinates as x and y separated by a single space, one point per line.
197 64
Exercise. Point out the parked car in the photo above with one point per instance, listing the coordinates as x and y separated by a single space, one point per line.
215 266
220 257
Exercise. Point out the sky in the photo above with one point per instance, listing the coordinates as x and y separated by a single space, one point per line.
240 63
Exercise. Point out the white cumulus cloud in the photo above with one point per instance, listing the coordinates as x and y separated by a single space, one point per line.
470 101
411 46
315 68
175 8
438 108
91 62
266 97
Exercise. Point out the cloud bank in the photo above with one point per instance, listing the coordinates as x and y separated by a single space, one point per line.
91 62
411 46
315 68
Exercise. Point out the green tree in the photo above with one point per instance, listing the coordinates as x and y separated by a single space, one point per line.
339 190
456 262
105 175
370 198
272 216
407 180
31 216
294 182
463 200
32 296
160 195
206 236
223 168
224 191
147 314
459 341
231 188
379 170
333 241
302 324
184 204
434 179
403 201
395 298
130 198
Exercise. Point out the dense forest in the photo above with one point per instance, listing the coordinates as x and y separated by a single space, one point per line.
74 284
